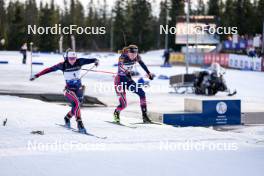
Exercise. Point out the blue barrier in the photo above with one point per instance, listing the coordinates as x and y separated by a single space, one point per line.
214 112
37 63
166 65
163 77
3 62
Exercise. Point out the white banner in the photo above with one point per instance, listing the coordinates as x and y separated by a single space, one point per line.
244 62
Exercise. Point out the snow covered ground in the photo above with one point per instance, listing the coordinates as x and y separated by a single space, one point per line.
145 150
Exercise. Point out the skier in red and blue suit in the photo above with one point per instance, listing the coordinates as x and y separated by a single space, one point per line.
71 68
123 81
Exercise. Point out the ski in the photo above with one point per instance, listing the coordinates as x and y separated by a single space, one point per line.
76 131
90 134
121 124
64 126
147 123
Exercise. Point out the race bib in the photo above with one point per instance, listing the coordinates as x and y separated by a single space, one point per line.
128 67
72 75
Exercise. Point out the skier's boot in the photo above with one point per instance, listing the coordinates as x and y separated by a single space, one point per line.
117 116
146 118
67 121
80 126
145 115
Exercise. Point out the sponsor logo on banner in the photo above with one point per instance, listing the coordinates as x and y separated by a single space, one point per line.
177 57
236 63
246 65
208 58
221 107
256 64
222 59
244 62
241 63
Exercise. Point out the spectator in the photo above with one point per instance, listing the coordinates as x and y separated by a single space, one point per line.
166 55
252 52
23 50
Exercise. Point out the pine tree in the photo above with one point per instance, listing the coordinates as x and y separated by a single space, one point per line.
119 25
176 9
89 22
214 8
200 8
244 16
3 24
132 21
259 16
141 19
77 18
104 22
64 21
49 16
162 21
16 27
30 19
228 18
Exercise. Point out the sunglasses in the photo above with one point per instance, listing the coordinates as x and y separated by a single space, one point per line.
72 58
133 50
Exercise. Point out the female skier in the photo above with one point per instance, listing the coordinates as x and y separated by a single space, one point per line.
73 90
123 81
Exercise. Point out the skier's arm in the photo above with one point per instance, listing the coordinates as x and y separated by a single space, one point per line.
56 67
84 61
143 65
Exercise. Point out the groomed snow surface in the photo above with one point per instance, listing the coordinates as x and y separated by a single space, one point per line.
144 150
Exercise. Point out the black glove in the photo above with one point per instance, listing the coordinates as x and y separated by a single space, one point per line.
96 63
151 76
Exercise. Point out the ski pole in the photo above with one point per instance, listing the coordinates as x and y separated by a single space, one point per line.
101 71
87 70
31 60
107 72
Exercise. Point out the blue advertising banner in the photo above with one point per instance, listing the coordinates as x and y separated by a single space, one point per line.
228 44
215 112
